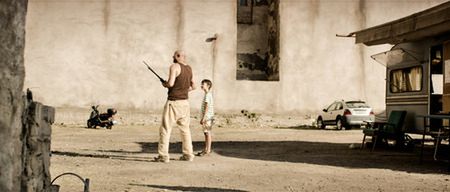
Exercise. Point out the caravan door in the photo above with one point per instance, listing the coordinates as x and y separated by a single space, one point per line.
446 94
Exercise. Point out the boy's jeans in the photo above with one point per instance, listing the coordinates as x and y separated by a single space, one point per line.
175 112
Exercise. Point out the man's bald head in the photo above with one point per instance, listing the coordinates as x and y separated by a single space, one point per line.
181 52
179 56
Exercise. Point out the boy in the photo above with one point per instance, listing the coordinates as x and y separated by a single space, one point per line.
207 115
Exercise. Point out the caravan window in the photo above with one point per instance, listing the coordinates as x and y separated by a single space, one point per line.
406 80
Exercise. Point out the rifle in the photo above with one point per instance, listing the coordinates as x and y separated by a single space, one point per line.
160 79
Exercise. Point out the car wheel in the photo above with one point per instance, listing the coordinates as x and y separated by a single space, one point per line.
320 123
339 123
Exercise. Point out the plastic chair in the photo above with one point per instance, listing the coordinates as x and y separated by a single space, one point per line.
390 130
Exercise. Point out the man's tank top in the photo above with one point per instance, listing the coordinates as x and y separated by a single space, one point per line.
180 88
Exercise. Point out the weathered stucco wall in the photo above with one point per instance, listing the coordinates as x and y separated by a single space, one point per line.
80 53
85 52
319 68
12 38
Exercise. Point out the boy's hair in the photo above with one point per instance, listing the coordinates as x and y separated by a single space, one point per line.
208 82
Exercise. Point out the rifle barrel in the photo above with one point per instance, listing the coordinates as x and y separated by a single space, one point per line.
161 79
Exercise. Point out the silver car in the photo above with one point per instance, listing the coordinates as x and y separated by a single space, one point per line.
346 114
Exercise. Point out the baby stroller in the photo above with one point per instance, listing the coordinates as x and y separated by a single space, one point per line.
103 119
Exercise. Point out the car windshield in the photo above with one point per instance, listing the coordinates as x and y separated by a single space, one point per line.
356 104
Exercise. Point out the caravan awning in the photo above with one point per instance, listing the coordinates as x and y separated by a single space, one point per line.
395 56
431 22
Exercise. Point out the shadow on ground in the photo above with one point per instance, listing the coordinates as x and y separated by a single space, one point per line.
106 156
184 188
318 153
310 127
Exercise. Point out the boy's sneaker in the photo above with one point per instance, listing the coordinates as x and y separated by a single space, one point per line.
161 159
186 158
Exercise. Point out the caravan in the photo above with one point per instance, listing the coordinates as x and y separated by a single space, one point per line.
417 66
415 79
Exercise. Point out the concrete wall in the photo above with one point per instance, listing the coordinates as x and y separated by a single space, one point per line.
319 67
90 52
12 38
80 53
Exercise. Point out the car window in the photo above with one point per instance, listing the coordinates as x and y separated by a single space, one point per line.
339 106
358 104
331 107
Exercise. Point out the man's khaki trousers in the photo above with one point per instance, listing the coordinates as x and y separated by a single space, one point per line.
175 113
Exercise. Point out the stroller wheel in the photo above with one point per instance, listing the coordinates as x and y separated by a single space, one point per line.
89 124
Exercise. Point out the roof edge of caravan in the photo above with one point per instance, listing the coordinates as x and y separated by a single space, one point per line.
434 21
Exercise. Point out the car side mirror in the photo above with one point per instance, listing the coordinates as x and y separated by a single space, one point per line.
324 110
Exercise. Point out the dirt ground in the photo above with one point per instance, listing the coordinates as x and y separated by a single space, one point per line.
270 154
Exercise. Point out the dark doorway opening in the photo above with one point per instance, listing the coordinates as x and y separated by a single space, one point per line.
258 40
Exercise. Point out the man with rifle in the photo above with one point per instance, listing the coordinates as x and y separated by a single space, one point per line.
177 109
